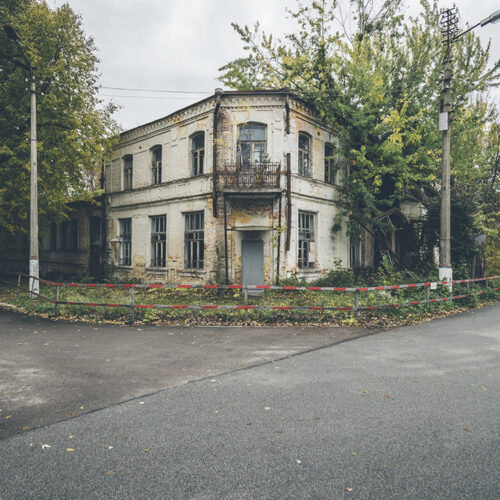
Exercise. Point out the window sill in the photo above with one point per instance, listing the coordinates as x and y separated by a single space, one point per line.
123 266
192 272
311 270
156 270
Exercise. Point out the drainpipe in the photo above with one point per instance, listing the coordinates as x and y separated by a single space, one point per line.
289 200
218 99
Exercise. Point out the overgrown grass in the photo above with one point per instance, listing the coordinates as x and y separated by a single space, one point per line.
9 293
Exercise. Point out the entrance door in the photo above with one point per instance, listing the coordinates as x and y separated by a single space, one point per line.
252 261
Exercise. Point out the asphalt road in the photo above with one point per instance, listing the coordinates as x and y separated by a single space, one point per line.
407 413
55 370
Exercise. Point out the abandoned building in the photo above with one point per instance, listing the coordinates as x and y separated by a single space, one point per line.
238 187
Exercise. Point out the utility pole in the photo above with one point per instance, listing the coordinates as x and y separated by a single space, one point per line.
34 262
449 28
34 267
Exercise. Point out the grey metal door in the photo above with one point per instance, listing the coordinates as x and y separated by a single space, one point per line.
252 261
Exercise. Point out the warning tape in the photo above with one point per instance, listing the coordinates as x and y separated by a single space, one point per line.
259 307
256 287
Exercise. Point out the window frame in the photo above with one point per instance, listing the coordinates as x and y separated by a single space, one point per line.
125 239
197 155
330 169
158 241
194 240
304 154
252 143
156 165
128 172
305 236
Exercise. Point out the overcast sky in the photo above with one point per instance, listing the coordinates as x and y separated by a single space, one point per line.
180 44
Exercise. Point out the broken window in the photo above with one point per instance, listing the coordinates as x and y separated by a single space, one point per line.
197 153
158 241
194 240
127 172
356 253
306 240
304 154
73 235
53 236
125 241
329 163
252 144
156 165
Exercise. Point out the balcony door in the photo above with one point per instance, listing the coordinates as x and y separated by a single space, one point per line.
252 262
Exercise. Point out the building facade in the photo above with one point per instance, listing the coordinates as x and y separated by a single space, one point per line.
239 187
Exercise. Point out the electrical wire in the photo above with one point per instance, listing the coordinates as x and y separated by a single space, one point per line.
153 90
150 97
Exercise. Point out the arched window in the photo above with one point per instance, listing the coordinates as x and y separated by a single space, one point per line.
127 171
304 155
156 165
329 163
197 153
252 143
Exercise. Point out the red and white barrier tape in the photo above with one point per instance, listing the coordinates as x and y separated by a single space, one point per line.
255 287
259 307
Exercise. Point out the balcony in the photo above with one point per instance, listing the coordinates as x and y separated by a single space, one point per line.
256 179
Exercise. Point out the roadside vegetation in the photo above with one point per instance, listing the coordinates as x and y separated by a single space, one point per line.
18 297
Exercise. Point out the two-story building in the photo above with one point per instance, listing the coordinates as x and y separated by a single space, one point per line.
240 186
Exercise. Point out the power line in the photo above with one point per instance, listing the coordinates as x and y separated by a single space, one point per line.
148 97
153 90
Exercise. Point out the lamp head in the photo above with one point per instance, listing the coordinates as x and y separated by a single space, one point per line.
492 18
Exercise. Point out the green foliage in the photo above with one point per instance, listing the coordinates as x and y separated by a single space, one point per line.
75 128
378 87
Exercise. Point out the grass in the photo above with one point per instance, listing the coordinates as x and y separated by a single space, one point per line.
18 297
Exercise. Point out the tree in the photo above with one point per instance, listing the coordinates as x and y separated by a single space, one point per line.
377 85
75 129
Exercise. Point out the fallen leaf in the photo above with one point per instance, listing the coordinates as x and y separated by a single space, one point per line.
82 407
110 447
8 416
212 380
25 427
111 472
388 397
46 343
298 461
444 384
348 490
70 449
484 389
267 408
315 418
141 403
264 380
354 452
71 436
45 446
467 430
146 450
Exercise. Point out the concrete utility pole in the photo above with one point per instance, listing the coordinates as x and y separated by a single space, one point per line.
449 30
34 266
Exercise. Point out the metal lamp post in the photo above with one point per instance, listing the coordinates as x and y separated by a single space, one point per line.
449 21
34 262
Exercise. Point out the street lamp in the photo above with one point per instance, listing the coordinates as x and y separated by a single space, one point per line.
34 262
449 29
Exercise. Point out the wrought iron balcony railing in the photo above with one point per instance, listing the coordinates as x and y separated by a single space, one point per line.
250 175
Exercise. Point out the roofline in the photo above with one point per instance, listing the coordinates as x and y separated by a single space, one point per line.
283 91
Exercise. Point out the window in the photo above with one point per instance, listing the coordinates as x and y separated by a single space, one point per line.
127 172
63 235
356 253
193 240
53 236
73 235
252 143
125 241
158 241
156 166
306 238
197 153
329 163
304 155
